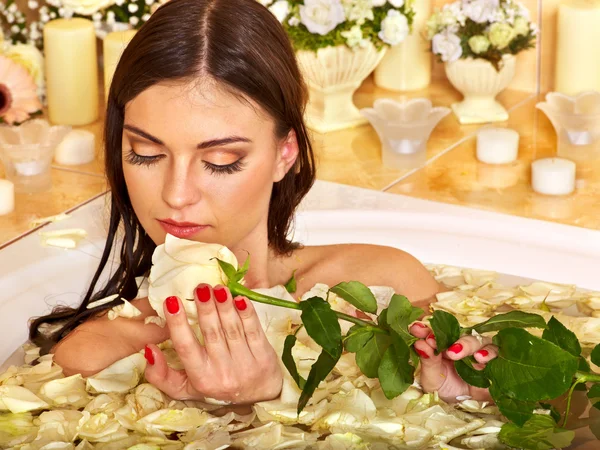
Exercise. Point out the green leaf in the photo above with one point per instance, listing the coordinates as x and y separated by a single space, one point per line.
357 338
513 319
594 393
318 372
540 432
560 335
595 356
382 320
395 373
400 314
516 410
584 366
357 294
369 357
471 376
445 328
290 286
529 368
553 411
322 325
288 360
242 271
228 270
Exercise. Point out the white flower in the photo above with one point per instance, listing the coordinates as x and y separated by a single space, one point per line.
133 20
33 4
280 9
378 2
447 45
354 37
480 11
397 3
119 2
322 16
358 10
132 8
394 28
87 7
294 21
265 2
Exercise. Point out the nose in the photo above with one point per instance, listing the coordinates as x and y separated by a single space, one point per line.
180 187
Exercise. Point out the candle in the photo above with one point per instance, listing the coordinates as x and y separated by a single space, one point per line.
407 66
553 176
497 145
7 197
78 147
113 47
71 71
577 57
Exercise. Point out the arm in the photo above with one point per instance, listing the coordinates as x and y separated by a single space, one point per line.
99 342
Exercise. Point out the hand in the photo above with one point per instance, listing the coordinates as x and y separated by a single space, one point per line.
437 371
237 363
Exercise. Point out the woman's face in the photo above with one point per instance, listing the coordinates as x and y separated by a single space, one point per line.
200 163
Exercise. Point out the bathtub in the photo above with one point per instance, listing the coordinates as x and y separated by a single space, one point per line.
36 278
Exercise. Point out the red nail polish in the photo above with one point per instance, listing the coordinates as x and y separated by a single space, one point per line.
149 355
173 305
431 336
483 353
422 354
240 304
420 325
456 348
221 295
203 293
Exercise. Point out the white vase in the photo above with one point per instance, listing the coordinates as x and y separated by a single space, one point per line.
333 74
480 83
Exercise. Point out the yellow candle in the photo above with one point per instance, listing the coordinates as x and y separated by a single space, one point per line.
407 66
577 54
71 71
113 47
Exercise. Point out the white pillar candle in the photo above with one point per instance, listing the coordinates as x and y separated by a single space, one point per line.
71 71
78 147
7 197
577 57
497 145
113 46
553 176
407 66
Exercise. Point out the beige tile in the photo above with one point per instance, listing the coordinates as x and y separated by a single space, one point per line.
68 190
353 156
458 178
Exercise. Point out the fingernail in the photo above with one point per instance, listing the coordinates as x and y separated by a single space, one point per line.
483 353
149 355
240 304
431 336
422 354
203 293
172 305
221 295
420 325
456 348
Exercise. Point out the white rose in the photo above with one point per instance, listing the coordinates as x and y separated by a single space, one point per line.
394 28
87 7
280 9
480 11
322 16
447 45
31 58
178 266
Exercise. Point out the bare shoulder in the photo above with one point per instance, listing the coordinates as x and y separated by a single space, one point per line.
373 265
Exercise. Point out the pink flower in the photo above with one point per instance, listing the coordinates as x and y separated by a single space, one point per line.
18 92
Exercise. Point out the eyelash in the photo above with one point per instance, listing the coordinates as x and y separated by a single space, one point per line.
148 161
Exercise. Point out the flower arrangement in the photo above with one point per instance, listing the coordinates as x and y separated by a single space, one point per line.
486 29
315 24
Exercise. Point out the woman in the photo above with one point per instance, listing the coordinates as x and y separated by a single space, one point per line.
205 140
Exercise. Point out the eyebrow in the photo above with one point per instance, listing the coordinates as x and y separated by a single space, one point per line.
201 146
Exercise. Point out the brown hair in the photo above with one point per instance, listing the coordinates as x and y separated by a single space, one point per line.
238 43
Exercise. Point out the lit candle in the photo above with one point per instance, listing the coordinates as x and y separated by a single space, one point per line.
71 71
113 47
407 66
497 145
78 147
7 197
577 58
553 176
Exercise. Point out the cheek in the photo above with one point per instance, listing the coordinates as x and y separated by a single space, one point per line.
140 187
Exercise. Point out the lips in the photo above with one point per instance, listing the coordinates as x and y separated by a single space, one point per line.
182 230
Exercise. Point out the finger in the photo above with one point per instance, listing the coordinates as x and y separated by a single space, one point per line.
466 345
420 330
172 382
486 354
433 373
255 336
190 351
210 324
430 339
231 323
